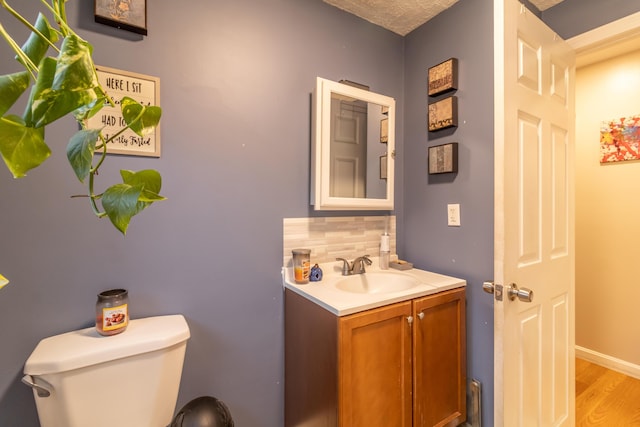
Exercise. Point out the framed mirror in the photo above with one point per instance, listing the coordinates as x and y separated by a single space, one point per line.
352 153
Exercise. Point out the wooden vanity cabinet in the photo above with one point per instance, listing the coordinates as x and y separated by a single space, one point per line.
374 367
439 363
398 365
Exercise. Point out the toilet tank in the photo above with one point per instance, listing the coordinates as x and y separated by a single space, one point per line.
125 380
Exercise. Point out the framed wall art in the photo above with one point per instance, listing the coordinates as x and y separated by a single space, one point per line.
443 158
130 15
443 114
142 88
383 166
384 130
620 140
443 77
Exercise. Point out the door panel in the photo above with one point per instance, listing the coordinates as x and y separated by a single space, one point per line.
348 148
375 368
439 378
534 211
528 367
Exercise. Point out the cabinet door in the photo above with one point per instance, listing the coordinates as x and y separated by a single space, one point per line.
440 360
375 368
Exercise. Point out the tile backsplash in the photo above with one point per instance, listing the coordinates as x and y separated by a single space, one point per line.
336 237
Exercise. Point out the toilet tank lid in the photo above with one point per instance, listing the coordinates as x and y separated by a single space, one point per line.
85 347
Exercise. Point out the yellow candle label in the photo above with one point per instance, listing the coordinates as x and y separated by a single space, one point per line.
115 317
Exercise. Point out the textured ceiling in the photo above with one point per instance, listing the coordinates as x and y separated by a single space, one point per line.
403 16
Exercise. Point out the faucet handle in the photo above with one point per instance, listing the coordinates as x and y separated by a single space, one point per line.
346 269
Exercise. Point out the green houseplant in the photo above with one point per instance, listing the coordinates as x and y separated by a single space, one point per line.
57 66
67 84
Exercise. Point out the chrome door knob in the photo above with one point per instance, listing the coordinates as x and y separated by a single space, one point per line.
513 292
523 294
488 287
493 288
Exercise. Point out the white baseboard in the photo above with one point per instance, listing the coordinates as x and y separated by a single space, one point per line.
610 362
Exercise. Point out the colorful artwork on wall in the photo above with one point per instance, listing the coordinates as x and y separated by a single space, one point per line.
620 140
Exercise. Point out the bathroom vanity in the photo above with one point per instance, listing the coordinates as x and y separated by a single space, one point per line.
361 353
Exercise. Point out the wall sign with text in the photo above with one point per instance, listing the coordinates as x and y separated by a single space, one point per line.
142 88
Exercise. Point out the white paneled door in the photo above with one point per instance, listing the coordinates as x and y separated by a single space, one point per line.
534 217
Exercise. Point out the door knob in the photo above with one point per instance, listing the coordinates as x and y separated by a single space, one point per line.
488 287
523 294
513 292
493 288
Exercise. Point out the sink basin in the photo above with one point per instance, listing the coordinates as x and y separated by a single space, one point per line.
376 283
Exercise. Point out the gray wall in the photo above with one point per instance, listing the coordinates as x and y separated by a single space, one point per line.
236 78
573 17
465 251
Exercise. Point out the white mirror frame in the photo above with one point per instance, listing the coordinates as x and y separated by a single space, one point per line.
320 148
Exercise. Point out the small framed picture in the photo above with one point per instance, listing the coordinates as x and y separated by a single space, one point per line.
443 114
130 15
384 130
383 166
443 77
443 158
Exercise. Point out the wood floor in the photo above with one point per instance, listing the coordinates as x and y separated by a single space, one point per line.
605 398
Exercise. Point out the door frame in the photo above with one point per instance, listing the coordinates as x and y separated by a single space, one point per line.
600 44
609 40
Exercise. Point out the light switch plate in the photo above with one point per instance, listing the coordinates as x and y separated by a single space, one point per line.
453 215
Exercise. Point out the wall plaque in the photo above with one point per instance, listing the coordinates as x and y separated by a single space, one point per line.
443 114
144 89
443 77
443 158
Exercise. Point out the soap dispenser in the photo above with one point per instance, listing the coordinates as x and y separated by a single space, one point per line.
384 251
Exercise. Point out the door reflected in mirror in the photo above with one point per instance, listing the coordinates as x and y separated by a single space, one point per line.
354 131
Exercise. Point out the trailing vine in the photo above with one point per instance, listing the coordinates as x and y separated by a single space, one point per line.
67 84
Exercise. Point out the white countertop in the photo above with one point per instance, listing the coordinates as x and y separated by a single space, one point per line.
339 302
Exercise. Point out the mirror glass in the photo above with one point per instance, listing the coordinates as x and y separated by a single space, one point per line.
353 148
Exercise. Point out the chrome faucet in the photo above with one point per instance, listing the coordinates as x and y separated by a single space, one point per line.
357 267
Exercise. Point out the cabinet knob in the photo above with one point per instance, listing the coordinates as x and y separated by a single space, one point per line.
421 315
410 320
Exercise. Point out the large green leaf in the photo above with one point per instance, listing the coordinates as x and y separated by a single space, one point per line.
35 47
89 110
12 86
22 147
51 105
150 180
36 107
72 86
120 202
80 151
75 70
123 201
147 117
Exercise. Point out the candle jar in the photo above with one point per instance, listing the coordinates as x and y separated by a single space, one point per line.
112 311
301 265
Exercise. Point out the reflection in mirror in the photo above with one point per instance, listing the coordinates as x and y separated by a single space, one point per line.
352 155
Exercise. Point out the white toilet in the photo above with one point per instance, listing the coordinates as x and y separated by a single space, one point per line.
83 379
